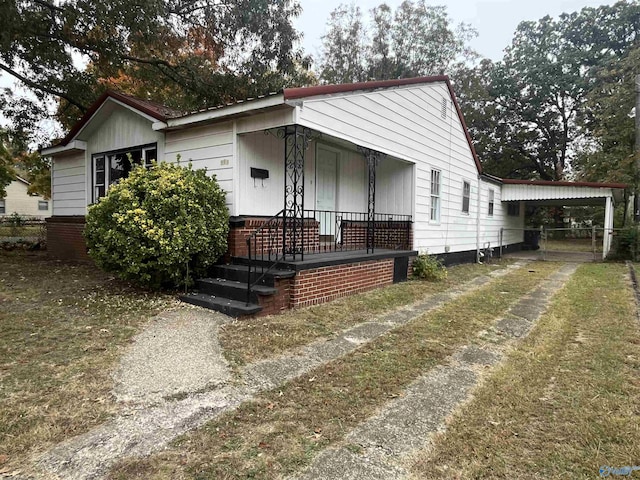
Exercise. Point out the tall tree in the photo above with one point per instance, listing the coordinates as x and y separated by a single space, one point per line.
609 155
182 52
344 46
539 98
414 40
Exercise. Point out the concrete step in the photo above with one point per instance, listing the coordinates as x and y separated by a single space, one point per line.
233 308
221 287
240 273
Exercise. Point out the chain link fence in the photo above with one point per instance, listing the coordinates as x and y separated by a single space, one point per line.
17 231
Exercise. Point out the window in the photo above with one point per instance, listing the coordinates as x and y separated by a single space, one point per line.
514 209
43 205
435 195
109 167
3 207
491 201
466 196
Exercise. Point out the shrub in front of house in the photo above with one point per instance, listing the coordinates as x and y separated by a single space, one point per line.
428 267
159 227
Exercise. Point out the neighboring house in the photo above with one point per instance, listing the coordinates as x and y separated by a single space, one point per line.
18 200
350 181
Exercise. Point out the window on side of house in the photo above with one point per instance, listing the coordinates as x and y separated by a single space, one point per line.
110 167
3 206
513 209
43 205
466 196
435 195
491 201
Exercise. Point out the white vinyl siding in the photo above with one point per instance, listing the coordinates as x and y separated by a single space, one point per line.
69 184
209 147
490 225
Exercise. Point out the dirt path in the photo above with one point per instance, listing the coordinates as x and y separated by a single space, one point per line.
381 447
141 431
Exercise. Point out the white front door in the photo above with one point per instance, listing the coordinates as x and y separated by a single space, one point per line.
326 188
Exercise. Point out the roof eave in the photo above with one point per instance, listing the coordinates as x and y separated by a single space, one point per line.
72 146
223 112
319 90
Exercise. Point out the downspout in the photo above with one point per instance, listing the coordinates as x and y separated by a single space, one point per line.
478 222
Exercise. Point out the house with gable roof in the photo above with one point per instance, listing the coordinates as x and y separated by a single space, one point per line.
332 189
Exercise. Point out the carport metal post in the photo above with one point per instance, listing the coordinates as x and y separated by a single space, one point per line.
543 237
593 243
608 227
501 237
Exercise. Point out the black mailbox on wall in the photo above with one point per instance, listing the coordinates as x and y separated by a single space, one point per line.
260 173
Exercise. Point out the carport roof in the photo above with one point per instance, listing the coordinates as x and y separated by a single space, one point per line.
560 193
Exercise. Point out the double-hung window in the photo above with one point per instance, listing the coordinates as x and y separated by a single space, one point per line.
466 196
109 167
435 195
3 206
491 202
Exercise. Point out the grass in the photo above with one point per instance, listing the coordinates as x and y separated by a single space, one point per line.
564 403
62 327
249 340
280 431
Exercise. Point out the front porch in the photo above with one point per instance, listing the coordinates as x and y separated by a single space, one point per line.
327 240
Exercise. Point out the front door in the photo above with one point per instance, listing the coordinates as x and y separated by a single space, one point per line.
326 189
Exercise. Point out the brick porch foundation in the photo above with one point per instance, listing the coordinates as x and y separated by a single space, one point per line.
319 285
64 238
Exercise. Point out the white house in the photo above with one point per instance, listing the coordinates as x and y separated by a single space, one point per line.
319 179
18 200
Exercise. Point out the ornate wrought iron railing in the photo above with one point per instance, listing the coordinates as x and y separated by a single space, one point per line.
347 231
268 241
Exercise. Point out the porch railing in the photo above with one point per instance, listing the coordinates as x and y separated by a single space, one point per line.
324 231
267 240
347 231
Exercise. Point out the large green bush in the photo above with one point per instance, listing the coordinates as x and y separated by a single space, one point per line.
159 227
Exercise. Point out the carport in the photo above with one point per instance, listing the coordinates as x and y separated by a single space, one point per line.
566 194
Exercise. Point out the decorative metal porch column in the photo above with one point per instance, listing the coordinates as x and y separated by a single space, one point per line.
296 142
372 157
